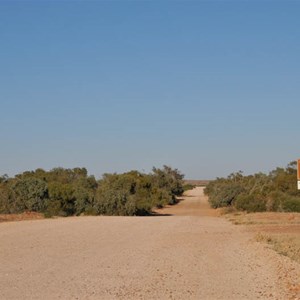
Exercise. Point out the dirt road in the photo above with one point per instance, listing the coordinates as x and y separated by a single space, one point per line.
189 255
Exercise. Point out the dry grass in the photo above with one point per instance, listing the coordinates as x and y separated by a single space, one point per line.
279 230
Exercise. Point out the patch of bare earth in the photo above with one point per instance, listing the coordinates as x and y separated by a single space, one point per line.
21 217
186 252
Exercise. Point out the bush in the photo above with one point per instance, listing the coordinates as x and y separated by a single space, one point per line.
291 205
65 192
250 203
53 208
168 179
275 200
276 191
225 195
5 201
134 193
30 194
61 199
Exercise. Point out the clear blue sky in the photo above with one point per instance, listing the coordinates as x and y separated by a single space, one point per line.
209 87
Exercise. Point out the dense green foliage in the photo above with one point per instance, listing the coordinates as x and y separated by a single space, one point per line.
276 191
65 192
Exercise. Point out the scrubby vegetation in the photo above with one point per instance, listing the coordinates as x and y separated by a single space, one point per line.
65 192
276 191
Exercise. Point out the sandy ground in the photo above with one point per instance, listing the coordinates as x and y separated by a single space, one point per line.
191 254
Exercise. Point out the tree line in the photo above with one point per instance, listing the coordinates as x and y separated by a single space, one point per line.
276 191
66 192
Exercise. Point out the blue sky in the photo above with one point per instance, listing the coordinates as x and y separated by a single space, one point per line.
208 87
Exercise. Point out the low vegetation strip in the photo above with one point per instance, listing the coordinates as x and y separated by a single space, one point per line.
66 192
276 191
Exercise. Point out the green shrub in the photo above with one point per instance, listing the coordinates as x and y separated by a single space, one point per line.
250 203
65 192
53 208
64 195
123 194
275 200
292 204
225 195
276 191
5 201
30 194
90 211
168 179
